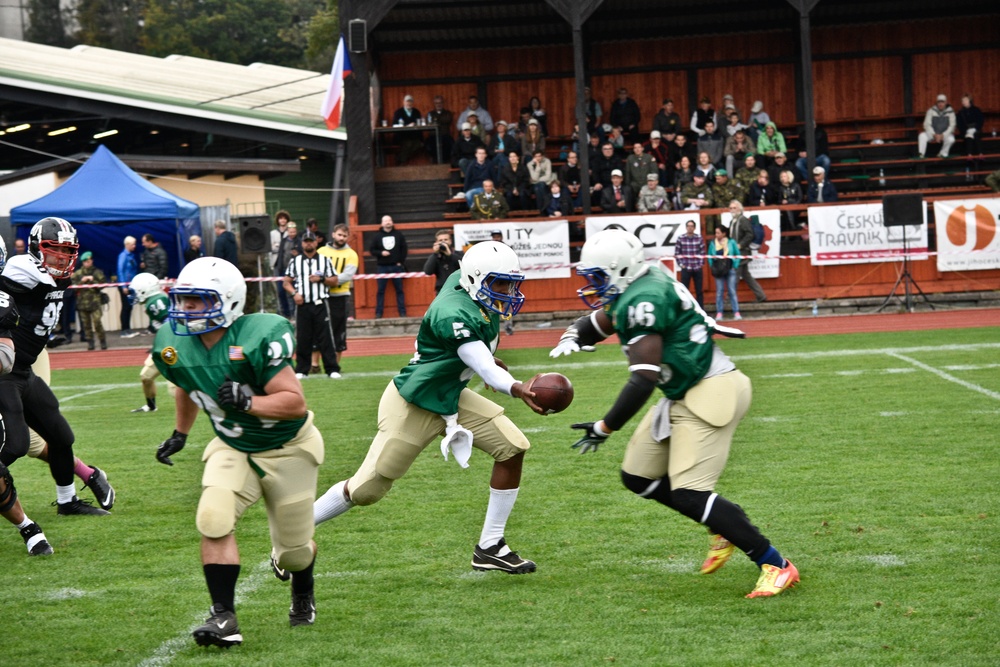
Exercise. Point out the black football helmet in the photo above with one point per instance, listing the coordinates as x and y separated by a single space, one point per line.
53 243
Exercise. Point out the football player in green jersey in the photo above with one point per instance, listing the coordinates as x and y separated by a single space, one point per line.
429 398
236 368
145 290
677 453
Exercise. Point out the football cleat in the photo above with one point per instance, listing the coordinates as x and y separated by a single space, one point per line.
774 579
335 375
303 610
145 408
77 506
719 552
280 573
220 629
500 557
35 540
103 491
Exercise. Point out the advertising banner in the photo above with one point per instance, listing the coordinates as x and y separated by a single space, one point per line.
967 238
855 234
537 244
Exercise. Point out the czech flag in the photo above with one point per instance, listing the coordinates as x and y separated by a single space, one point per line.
333 104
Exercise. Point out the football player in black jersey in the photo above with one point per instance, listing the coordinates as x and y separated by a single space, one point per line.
35 284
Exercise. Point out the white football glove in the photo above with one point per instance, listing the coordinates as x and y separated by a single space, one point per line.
568 344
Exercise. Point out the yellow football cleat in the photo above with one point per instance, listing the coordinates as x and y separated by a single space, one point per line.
719 552
774 579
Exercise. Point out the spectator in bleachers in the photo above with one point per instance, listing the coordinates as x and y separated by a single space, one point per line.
993 181
683 148
516 183
443 118
533 139
476 173
822 152
778 165
666 119
702 115
683 175
483 114
601 169
789 192
593 148
522 124
540 171
713 143
444 260
569 179
970 121
638 166
736 148
538 113
729 105
725 188
617 139
762 191
758 120
464 150
746 176
618 197
697 194
705 167
489 204
939 128
501 144
477 128
554 203
821 190
410 143
769 143
652 197
660 152
733 124
626 115
592 108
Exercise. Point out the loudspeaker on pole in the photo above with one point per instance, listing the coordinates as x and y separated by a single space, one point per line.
357 35
903 209
255 233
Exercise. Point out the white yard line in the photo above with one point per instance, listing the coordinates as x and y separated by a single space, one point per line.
945 376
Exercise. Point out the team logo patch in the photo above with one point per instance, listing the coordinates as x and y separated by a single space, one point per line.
169 356
236 353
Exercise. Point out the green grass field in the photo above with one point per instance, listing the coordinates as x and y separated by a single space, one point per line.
870 460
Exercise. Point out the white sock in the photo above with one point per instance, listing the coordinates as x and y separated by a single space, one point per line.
332 503
24 523
497 512
65 494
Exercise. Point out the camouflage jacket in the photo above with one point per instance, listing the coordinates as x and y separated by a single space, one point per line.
88 300
723 194
691 191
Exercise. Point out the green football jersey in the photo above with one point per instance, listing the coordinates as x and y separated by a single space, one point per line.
157 308
436 375
658 304
252 351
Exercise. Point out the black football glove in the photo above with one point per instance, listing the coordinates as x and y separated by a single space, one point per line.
170 446
591 439
235 395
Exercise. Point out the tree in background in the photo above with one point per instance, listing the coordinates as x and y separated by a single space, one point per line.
45 23
323 35
112 24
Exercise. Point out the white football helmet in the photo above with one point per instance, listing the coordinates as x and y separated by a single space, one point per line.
221 289
486 264
3 253
611 260
142 287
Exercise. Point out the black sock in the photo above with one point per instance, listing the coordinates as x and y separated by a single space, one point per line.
151 402
221 580
302 581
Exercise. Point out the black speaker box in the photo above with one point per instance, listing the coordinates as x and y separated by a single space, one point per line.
255 233
903 209
357 36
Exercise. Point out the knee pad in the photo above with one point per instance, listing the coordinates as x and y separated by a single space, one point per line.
650 489
691 503
36 444
295 559
369 491
292 528
216 515
8 496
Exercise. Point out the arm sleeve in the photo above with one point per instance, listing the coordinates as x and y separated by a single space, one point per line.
347 275
478 357
430 266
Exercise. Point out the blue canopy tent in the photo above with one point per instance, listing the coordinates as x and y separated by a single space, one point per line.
106 201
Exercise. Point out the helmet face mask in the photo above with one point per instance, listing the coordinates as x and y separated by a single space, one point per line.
491 274
610 261
53 244
209 294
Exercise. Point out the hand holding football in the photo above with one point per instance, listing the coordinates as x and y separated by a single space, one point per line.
553 392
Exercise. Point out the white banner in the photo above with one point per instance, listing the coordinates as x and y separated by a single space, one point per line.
765 263
658 232
855 234
536 244
967 237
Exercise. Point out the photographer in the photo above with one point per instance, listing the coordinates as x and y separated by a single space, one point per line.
444 260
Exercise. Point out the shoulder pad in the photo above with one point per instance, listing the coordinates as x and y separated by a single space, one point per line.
8 312
24 272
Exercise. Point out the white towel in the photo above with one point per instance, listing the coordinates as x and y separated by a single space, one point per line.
660 428
457 439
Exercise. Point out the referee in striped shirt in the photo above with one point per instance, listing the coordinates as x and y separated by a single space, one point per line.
309 278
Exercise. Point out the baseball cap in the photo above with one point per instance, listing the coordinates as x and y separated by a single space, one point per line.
780 154
819 170
652 176
87 255
501 122
616 172
942 98
308 236
698 174
291 225
466 126
655 134
496 231
533 121
757 106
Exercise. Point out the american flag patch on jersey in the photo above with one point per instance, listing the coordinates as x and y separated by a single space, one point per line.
236 353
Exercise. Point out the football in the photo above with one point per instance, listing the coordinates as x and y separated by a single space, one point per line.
553 392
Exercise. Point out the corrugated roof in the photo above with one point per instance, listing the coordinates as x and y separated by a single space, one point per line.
261 95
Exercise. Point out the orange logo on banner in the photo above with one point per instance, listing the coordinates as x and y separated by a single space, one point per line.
986 227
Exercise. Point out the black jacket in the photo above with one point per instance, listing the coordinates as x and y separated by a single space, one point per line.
441 266
394 242
225 248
